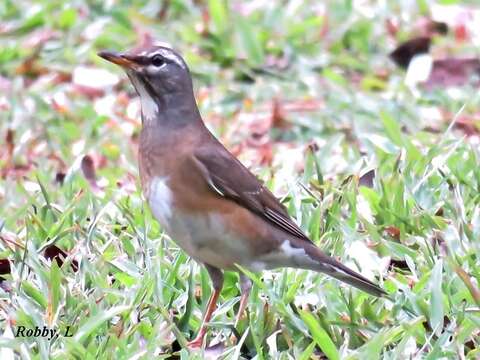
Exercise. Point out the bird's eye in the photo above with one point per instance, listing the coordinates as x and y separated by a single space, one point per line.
158 61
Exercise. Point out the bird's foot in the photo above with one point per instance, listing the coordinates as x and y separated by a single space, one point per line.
196 343
233 339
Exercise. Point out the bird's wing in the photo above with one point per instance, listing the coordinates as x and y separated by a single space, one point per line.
226 176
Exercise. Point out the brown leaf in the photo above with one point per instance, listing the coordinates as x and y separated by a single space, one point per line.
367 179
4 270
428 27
11 241
265 154
9 141
60 177
278 116
62 77
144 38
453 72
399 264
393 231
53 252
392 26
404 53
313 146
58 160
304 105
30 67
470 125
423 27
461 33
9 168
162 13
214 351
127 183
88 170
89 92
40 37
59 103
101 161
5 267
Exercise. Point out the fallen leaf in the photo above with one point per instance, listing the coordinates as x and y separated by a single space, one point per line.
30 67
399 264
453 72
60 102
393 232
5 267
39 37
144 38
391 25
128 183
461 33
88 170
60 177
367 179
470 125
278 116
424 26
53 252
405 52
428 27
9 141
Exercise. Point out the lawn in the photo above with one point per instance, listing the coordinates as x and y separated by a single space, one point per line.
380 172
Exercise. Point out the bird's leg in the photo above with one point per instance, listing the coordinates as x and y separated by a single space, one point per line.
217 280
245 287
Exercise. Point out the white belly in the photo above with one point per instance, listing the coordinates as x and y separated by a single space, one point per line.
204 237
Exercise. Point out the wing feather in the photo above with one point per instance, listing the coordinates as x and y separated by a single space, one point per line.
227 177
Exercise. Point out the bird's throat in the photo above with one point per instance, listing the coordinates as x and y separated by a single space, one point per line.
164 110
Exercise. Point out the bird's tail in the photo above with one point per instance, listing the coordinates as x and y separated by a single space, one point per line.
332 267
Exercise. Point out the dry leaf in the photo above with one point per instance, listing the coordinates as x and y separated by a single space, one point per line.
405 52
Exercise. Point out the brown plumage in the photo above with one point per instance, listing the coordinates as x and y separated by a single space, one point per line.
205 199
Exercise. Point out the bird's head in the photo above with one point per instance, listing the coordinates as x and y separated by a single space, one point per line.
159 75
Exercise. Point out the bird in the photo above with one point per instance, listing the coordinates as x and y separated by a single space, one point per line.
204 198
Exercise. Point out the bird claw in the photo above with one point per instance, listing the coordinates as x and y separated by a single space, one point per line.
233 339
195 343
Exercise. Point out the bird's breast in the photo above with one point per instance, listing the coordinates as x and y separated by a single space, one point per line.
160 199
204 235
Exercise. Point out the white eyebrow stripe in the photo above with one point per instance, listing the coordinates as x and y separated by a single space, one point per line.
170 56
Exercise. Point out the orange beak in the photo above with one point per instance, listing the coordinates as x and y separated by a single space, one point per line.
123 60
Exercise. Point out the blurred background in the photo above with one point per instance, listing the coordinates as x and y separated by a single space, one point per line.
363 116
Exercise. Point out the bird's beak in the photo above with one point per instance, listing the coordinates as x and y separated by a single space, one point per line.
124 60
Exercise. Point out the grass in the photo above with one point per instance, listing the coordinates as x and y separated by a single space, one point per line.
127 291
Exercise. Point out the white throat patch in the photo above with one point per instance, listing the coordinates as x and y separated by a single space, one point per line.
149 106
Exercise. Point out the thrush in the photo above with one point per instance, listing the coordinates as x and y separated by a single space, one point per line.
211 205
